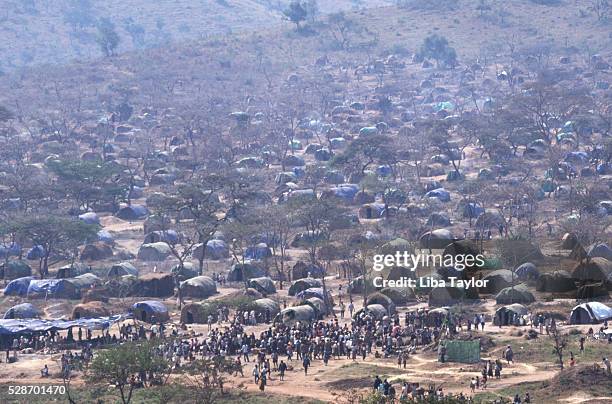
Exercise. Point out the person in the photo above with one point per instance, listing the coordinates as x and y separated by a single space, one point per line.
582 339
262 384
442 353
44 372
482 321
306 363
282 367
342 309
606 362
517 399
377 382
572 361
509 355
527 399
473 385
351 307
245 352
255 373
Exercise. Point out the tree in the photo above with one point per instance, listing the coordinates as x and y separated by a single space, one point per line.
207 377
437 47
296 13
116 366
56 234
560 342
107 39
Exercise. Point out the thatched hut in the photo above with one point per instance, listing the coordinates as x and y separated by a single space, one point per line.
154 285
96 251
303 270
196 313
198 287
155 252
596 269
592 291
89 310
243 272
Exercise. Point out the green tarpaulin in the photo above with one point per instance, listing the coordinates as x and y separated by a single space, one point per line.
462 351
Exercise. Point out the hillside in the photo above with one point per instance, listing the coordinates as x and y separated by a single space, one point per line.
36 32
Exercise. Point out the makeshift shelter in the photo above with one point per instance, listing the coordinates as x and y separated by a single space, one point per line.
121 269
512 314
436 317
23 310
53 288
497 280
400 296
184 272
441 194
198 287
600 250
154 285
89 310
594 270
462 351
375 311
397 245
70 271
461 247
196 313
303 270
14 269
18 287
313 292
264 285
96 251
317 304
292 315
150 311
569 241
214 250
592 291
303 284
383 300
307 238
517 294
527 272
438 219
166 236
558 281
489 219
89 218
264 306
258 252
243 272
520 250
15 327
590 313
35 253
132 212
373 210
445 296
396 273
436 239
154 252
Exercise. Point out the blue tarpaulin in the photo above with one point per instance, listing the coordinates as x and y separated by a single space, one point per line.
17 326
18 287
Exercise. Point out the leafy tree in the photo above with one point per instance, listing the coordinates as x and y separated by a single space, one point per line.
207 377
56 234
437 48
296 13
108 39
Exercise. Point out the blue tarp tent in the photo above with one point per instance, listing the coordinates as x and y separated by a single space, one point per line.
18 287
150 311
24 310
8 250
440 193
132 212
345 191
105 236
16 326
53 288
590 313
258 252
35 253
89 218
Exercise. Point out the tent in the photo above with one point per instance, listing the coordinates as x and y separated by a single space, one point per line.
441 194
376 311
121 269
53 288
372 210
436 239
292 315
13 249
197 313
132 212
527 272
70 271
187 271
383 300
154 252
150 311
154 285
397 245
35 253
105 237
89 310
312 292
215 250
258 252
96 251
28 326
199 287
84 281
438 219
461 247
462 351
558 281
600 250
264 285
121 287
594 270
166 236
497 280
445 296
489 219
400 296
345 192
307 238
303 270
592 291
14 269
89 218
265 305
518 294
303 284
590 313
569 241
511 314
396 273
243 272
18 287
24 310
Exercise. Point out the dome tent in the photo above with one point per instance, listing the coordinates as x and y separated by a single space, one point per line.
527 271
558 281
590 313
303 284
150 311
510 315
198 287
155 252
517 294
18 287
14 269
24 310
